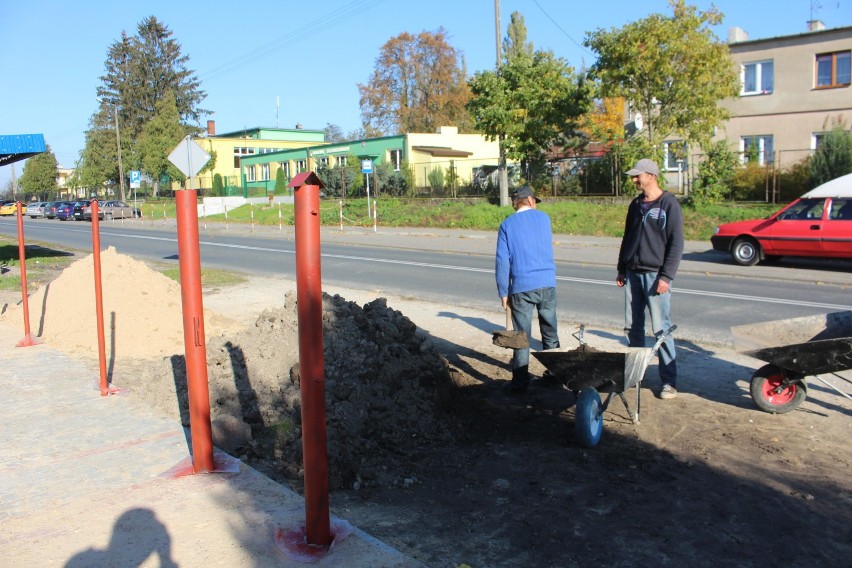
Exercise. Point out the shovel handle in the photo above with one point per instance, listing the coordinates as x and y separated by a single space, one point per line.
508 316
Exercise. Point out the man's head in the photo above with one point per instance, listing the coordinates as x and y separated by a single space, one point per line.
521 196
644 175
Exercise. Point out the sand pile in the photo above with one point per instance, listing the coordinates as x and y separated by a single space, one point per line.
141 309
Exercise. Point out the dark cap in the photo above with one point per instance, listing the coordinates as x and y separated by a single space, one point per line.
522 192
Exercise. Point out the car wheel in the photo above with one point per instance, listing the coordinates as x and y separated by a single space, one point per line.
746 251
108 216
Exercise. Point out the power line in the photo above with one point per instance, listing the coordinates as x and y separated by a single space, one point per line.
543 11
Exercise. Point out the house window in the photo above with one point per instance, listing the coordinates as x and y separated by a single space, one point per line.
240 152
396 159
757 149
323 161
675 155
250 173
264 172
300 166
833 69
341 161
758 78
286 167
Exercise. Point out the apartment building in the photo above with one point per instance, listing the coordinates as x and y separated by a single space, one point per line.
792 89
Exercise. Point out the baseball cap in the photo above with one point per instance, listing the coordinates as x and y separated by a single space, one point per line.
644 165
523 191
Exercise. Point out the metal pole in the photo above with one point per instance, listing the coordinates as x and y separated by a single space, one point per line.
99 296
193 331
27 340
118 145
312 364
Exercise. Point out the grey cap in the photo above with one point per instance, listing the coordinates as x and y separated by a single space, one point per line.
523 191
644 166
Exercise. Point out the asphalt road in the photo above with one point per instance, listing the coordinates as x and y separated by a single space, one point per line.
456 268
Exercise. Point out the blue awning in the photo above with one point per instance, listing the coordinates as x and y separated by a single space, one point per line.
16 147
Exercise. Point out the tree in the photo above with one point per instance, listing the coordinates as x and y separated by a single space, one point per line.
833 157
333 133
515 43
417 85
532 102
716 174
139 71
672 70
158 138
280 182
40 174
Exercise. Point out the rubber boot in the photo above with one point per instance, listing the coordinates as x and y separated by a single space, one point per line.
520 379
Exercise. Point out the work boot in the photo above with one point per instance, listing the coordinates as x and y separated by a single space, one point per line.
520 379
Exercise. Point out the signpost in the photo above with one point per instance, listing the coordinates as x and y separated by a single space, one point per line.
367 168
135 181
189 158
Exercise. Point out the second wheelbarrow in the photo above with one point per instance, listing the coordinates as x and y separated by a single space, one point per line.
795 349
588 372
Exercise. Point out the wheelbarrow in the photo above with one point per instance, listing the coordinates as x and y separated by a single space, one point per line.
588 372
795 349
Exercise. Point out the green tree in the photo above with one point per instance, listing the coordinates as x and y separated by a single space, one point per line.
158 139
532 102
218 186
418 84
673 70
40 174
139 71
280 182
716 174
833 158
515 43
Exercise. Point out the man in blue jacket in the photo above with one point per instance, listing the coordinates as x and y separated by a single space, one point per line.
526 277
650 254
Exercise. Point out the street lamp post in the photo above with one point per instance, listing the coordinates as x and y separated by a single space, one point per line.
118 145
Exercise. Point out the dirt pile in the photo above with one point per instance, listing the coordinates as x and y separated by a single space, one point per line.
384 390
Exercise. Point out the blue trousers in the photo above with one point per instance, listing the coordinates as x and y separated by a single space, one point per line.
640 294
523 304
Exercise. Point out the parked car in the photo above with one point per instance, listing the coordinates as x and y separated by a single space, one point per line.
818 224
11 208
65 212
34 209
83 211
49 209
116 210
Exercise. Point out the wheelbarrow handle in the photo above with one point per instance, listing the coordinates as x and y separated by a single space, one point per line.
578 335
662 338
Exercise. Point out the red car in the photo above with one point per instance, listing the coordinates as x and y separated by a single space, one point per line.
818 224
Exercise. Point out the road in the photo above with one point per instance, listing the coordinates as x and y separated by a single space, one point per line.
456 268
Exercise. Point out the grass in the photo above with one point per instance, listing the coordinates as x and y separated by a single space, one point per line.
601 217
43 262
210 277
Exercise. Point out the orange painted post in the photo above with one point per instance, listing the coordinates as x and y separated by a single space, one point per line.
340 213
99 297
193 331
27 340
375 216
311 362
280 220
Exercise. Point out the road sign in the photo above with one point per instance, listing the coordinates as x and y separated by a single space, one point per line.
366 166
189 157
135 179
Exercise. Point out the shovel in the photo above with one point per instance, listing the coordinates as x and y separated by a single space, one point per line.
509 338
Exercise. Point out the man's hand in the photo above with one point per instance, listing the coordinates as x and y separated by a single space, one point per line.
619 280
505 301
662 286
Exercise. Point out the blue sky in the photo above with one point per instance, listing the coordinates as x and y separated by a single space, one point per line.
278 63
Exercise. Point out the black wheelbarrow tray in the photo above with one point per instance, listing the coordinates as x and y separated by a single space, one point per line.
795 349
588 372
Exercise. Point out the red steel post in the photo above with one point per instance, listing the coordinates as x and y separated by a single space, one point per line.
27 340
311 364
99 297
193 331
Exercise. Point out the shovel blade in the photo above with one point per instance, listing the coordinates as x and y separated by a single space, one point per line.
510 339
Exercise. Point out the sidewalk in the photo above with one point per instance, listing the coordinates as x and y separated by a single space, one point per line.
83 483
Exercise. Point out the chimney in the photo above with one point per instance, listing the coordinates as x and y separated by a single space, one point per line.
298 126
815 25
211 128
736 35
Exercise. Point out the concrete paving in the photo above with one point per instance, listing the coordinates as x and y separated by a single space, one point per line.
86 482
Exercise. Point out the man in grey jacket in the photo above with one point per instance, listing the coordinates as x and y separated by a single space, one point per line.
650 254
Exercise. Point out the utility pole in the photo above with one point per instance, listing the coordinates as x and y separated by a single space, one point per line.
118 145
502 170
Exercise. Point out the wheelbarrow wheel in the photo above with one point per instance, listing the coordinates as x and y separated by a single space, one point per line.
588 418
772 394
